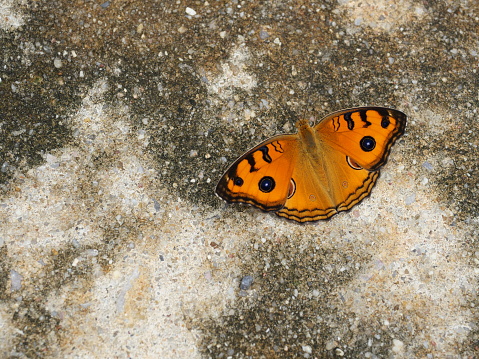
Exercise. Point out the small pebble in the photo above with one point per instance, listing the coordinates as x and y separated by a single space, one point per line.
190 11
307 349
339 352
16 280
246 282
91 252
427 166
57 63
398 346
156 205
263 35
410 199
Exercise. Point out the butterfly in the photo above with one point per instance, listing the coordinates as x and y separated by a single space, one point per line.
319 171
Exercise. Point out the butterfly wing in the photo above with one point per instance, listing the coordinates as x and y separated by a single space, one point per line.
325 186
364 134
338 164
262 176
318 172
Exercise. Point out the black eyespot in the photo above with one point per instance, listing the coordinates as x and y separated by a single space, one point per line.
367 143
266 184
385 122
238 181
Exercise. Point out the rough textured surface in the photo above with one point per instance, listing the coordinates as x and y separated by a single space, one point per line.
117 119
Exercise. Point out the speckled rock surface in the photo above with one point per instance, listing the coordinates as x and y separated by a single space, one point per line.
118 117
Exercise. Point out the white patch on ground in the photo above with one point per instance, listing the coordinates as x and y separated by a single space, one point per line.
52 206
416 277
11 15
142 303
416 272
166 270
233 75
382 15
6 332
222 84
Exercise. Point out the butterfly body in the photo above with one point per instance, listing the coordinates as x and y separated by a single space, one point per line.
319 171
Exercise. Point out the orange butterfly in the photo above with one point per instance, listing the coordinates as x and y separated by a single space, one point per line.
320 170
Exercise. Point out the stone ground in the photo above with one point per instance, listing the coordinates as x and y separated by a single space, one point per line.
118 117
